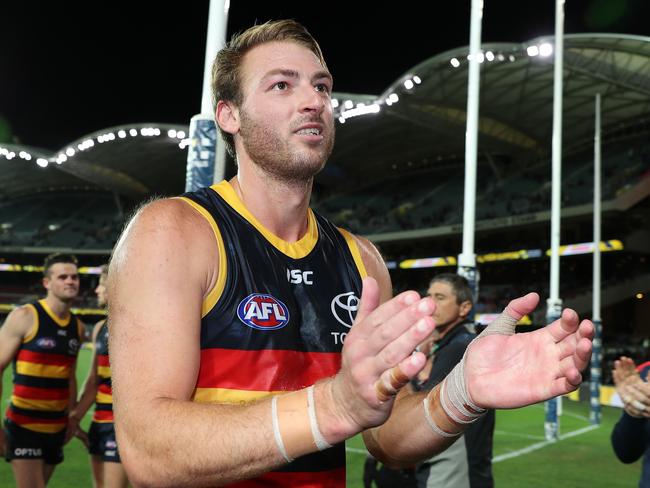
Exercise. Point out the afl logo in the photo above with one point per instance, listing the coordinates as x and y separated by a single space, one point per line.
46 343
263 312
344 308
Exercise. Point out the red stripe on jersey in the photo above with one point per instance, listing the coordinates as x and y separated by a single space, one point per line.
106 389
266 370
334 478
25 419
102 360
41 393
103 415
45 358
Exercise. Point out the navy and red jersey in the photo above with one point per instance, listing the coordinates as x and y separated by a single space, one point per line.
42 369
276 319
104 398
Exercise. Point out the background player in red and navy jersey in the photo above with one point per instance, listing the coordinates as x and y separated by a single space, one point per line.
107 469
226 273
42 340
631 434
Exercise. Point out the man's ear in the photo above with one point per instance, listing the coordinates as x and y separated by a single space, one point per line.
46 282
227 117
465 307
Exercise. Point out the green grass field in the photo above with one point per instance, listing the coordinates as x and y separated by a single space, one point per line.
583 457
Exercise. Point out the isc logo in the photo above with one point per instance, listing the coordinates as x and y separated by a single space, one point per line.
263 312
296 277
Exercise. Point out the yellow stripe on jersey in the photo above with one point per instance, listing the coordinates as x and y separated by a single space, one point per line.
226 395
59 321
213 296
46 405
104 371
34 330
295 250
354 249
42 370
103 397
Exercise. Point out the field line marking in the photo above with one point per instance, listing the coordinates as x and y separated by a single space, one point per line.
540 445
355 450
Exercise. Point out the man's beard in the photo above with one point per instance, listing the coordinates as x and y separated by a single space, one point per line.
274 155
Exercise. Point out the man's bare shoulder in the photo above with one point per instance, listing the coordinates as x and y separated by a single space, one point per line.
20 320
172 217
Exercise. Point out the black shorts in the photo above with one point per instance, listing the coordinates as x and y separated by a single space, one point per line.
27 444
102 443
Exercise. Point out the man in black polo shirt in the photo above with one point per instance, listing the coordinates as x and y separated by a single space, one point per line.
468 462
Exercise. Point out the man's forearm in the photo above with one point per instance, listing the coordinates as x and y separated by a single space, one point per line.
158 439
407 436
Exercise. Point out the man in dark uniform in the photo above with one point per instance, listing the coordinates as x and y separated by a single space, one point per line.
250 337
42 340
107 468
468 462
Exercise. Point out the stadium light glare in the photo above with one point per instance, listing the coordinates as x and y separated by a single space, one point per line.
70 152
639 296
408 84
133 132
180 134
489 56
335 103
454 62
481 57
532 51
545 49
342 120
501 57
121 134
348 104
171 133
511 58
417 79
393 97
42 162
11 155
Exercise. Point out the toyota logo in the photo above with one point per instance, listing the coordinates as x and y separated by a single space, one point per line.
344 308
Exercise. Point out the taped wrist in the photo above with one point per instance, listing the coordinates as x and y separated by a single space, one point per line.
295 425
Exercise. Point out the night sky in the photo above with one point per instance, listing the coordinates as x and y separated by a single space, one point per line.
70 68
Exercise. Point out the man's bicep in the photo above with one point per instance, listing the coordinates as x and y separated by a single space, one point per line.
156 283
12 332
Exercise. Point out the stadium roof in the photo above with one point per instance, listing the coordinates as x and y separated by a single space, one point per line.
418 121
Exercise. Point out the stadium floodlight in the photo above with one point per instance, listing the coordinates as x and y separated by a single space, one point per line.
454 62
335 103
639 296
180 134
121 134
408 84
42 162
501 57
393 98
545 49
348 104
11 155
511 58
532 51
489 56
171 133
133 132
342 120
70 152
417 79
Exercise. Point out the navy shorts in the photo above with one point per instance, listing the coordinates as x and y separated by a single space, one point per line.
27 444
102 443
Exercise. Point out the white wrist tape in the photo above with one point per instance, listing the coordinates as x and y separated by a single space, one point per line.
432 424
319 440
276 430
454 396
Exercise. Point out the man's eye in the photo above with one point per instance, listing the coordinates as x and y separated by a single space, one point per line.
322 87
281 85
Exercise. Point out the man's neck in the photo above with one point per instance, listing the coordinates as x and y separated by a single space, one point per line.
58 307
447 329
280 206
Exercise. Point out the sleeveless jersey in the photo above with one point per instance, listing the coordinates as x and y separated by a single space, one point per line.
276 319
42 368
104 399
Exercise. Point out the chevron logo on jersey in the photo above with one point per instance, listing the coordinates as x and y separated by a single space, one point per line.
263 312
